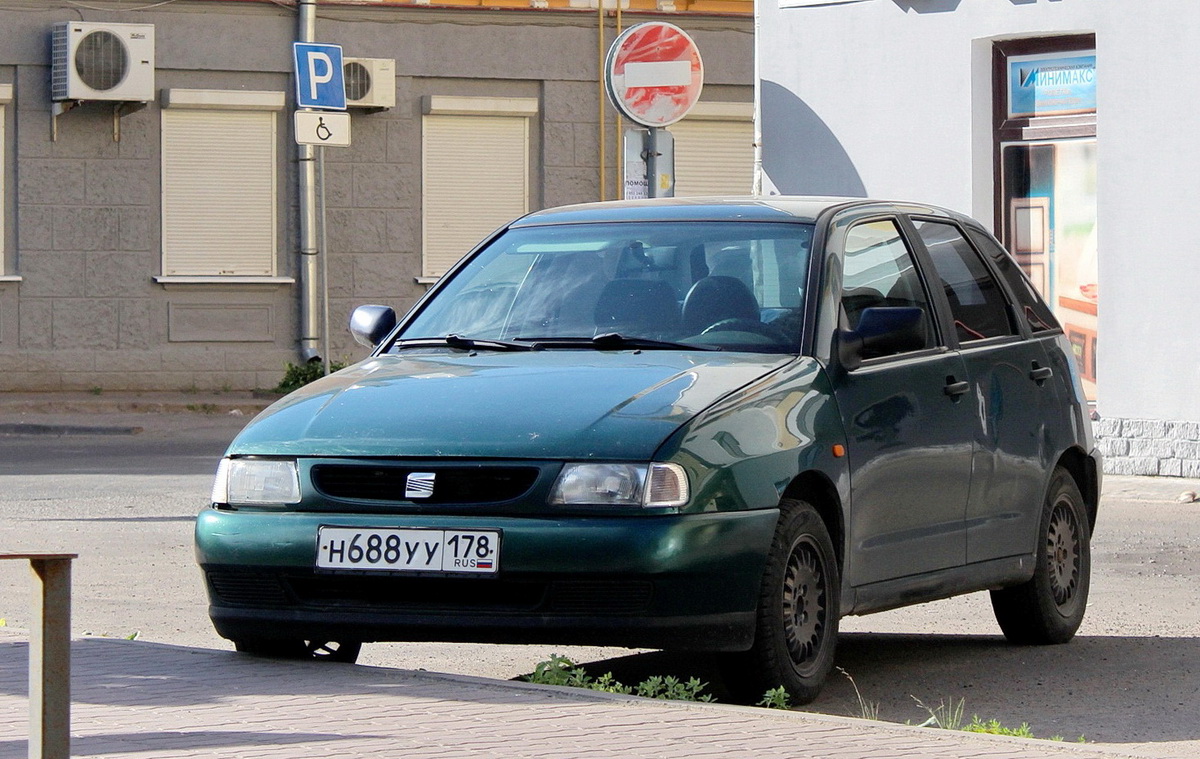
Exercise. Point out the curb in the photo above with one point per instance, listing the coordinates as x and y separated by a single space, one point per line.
150 403
65 429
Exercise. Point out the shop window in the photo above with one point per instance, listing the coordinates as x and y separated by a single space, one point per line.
1046 169
474 173
219 185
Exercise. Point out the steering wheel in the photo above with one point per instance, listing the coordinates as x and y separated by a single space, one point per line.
748 325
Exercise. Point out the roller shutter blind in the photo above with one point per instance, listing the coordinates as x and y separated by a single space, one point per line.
713 157
219 192
3 202
475 177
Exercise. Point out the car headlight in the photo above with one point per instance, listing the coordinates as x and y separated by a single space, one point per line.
649 485
251 482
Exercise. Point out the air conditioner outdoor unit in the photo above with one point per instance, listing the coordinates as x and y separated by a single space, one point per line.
370 82
101 61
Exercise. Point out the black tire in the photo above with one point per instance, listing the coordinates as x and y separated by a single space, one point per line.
798 611
1049 608
274 648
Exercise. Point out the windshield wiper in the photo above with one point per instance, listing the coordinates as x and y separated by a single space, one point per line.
615 341
466 343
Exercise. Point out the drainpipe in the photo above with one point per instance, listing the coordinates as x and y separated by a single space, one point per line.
309 325
756 186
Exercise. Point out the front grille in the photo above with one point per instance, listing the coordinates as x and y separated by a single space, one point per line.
368 482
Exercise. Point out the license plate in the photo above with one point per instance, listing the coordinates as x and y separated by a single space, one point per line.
409 550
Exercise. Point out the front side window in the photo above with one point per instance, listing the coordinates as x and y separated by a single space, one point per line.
977 303
733 286
879 272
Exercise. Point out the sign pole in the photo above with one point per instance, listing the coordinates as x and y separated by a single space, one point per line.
324 259
652 156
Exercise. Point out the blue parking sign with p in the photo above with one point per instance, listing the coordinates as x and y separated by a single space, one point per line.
319 79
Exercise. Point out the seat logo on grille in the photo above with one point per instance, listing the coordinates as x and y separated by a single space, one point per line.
419 485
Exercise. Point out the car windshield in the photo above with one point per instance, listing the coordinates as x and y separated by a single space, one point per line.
735 285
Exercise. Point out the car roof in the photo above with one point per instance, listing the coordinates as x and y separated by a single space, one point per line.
720 208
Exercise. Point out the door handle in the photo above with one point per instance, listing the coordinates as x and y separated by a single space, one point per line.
954 387
1040 374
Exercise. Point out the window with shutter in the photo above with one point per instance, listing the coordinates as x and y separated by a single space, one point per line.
475 178
3 200
713 156
5 97
219 192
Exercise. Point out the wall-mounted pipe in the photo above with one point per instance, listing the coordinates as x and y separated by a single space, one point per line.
306 163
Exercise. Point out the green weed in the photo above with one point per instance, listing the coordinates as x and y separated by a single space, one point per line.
559 670
776 698
296 377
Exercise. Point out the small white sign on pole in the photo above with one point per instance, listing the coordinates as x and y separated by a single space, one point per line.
323 128
635 165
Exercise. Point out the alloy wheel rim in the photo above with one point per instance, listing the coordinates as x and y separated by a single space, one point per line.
1062 550
805 604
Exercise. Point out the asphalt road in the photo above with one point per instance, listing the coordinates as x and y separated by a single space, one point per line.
125 503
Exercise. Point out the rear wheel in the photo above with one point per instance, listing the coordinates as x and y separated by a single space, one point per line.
288 648
1049 607
798 610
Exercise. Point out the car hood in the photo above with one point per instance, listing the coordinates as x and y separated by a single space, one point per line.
618 405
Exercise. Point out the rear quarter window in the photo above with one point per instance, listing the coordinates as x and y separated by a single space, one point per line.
1036 314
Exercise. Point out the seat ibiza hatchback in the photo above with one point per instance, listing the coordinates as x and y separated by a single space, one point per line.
716 425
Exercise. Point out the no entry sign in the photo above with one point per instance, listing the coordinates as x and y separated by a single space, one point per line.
654 74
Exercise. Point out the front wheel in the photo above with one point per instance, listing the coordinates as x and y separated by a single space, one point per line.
798 611
288 648
1049 607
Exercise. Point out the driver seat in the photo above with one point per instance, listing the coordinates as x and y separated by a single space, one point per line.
715 299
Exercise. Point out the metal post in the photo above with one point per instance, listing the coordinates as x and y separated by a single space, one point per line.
652 163
50 660
324 258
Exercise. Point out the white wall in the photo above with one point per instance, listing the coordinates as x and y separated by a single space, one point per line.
904 89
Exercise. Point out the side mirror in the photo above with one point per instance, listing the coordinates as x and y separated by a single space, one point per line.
370 324
881 331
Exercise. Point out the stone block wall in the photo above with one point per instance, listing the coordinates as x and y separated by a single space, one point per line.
1149 447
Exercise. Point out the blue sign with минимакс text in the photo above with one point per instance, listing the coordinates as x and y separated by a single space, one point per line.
1051 85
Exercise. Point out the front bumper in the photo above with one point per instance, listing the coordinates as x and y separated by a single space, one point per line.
678 581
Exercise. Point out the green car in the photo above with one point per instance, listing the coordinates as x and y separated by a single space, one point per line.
715 424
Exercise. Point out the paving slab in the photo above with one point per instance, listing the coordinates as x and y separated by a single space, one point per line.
149 700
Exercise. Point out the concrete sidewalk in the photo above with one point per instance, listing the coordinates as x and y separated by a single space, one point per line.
147 700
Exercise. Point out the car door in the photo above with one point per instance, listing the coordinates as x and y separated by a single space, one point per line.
1009 394
907 420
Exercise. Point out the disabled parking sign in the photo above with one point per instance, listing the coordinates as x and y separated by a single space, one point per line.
320 82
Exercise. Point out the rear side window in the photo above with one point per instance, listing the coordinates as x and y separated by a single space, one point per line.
977 302
1034 310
